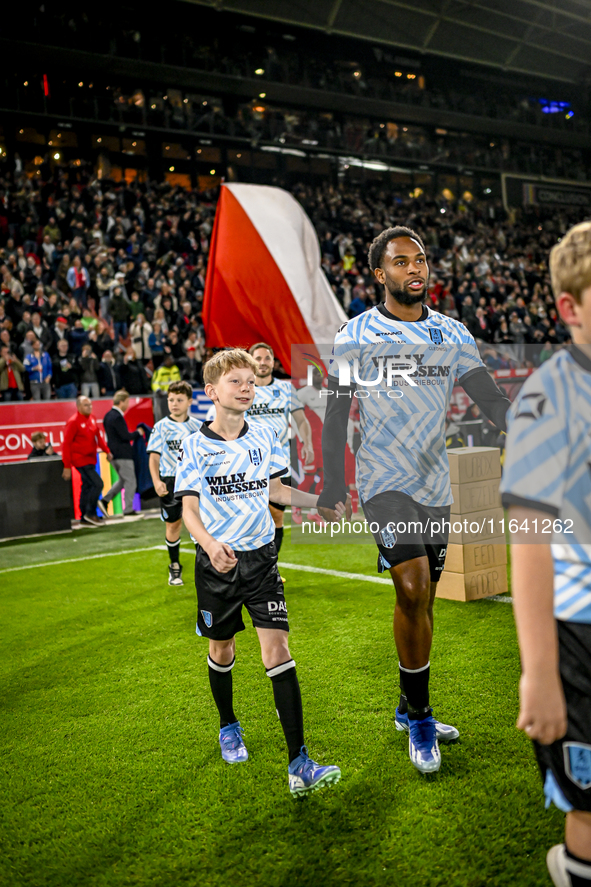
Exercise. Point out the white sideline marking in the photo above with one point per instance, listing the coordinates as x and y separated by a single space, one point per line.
87 557
303 568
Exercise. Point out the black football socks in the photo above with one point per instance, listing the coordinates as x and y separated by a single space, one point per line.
579 870
288 702
174 550
415 682
278 538
220 681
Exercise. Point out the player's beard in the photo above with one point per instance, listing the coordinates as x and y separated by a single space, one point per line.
264 373
403 295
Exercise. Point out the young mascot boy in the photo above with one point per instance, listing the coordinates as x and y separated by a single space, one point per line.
547 488
226 474
164 447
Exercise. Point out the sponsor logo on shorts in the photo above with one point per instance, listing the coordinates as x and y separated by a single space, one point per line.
207 618
577 763
443 552
388 536
277 606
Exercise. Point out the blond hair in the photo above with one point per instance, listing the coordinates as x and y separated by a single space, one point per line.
570 262
225 361
120 396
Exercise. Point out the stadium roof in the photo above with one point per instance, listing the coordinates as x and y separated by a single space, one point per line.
549 38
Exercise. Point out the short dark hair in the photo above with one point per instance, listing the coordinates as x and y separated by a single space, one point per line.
258 345
379 244
181 388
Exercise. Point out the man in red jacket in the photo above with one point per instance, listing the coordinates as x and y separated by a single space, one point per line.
82 439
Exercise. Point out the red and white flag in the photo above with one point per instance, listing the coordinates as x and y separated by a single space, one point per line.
264 280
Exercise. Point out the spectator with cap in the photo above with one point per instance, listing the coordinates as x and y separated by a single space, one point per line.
65 376
60 331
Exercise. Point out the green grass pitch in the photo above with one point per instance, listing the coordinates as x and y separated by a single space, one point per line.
111 770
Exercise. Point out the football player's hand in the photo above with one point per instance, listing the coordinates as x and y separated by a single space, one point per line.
161 488
67 473
336 514
222 557
542 714
307 454
109 457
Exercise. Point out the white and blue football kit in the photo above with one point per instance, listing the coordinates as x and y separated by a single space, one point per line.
166 439
272 406
404 373
548 469
231 479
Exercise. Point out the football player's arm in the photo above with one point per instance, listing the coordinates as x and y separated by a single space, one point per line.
305 430
542 713
486 394
154 466
220 554
334 441
284 495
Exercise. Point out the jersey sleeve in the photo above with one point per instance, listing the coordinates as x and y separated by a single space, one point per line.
469 359
538 448
296 403
344 351
188 474
155 442
278 463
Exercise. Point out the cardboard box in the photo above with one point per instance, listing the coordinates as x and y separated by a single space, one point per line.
473 586
475 496
476 556
479 526
469 464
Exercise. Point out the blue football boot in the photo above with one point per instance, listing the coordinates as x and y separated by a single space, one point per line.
233 748
422 745
445 732
305 775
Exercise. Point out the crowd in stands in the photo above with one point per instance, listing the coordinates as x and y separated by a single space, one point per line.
102 285
342 67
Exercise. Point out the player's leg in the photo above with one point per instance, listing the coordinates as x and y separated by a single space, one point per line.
92 486
173 544
277 514
264 599
566 763
219 619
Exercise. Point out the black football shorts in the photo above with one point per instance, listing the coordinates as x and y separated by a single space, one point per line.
569 758
405 529
254 583
171 508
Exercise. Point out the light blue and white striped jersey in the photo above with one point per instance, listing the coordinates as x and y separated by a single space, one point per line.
166 438
272 406
231 478
548 467
404 373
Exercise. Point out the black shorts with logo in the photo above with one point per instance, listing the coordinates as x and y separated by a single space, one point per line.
254 583
569 758
408 529
171 508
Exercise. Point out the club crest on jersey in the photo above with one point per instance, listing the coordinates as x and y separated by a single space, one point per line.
276 392
256 456
436 336
388 536
577 763
207 618
531 406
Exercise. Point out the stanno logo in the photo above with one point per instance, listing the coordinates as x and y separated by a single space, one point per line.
217 453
